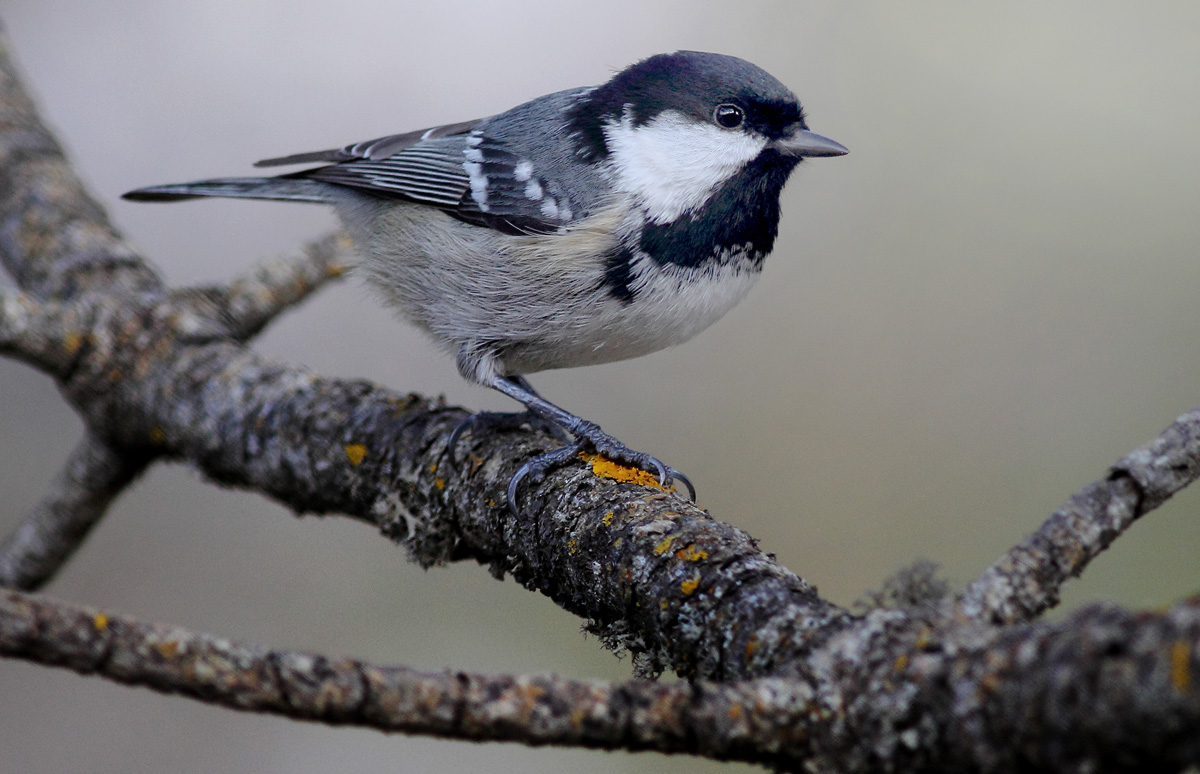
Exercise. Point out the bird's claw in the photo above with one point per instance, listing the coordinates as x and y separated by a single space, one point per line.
538 467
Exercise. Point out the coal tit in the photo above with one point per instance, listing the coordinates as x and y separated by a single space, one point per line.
585 226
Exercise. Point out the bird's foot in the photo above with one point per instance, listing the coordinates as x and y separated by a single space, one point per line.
502 421
588 435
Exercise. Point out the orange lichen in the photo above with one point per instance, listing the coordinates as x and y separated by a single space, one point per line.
691 553
689 586
355 452
168 649
606 468
664 546
751 646
100 621
735 712
1181 667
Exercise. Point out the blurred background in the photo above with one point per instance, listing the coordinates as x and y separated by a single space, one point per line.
990 300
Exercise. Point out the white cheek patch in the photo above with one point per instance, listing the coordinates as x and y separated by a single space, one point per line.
673 164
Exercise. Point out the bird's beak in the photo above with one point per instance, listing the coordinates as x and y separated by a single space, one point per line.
804 143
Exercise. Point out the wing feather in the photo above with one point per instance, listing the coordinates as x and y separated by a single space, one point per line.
457 168
376 149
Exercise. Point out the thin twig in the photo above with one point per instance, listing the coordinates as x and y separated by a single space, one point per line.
256 298
93 476
1026 581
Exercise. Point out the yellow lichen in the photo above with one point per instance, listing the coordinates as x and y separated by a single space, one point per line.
606 468
168 648
691 553
1181 667
664 546
572 547
663 604
158 436
440 483
608 519
901 663
689 586
355 452
72 342
100 621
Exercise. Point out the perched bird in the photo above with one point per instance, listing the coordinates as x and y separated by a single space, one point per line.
584 226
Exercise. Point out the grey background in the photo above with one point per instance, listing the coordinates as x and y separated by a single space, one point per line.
985 304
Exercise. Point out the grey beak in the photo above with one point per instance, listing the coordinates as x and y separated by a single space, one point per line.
805 143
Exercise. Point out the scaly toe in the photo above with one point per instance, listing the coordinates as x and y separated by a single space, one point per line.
537 467
501 420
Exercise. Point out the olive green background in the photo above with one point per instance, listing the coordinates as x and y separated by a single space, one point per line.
991 299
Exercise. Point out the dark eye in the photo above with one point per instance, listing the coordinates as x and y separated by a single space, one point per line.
729 116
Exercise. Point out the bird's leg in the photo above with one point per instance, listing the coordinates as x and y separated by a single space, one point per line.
587 434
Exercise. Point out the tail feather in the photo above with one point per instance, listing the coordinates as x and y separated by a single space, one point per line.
287 189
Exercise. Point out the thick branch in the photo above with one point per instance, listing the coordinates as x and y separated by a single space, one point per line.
719 721
32 331
651 571
1102 691
55 240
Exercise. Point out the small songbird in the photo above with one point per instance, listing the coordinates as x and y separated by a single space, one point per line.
584 226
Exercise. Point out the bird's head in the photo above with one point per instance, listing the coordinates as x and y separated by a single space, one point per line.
674 128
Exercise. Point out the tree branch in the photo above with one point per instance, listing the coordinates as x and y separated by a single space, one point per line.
93 476
56 241
253 300
1026 581
1105 690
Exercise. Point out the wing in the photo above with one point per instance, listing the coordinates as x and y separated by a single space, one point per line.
457 168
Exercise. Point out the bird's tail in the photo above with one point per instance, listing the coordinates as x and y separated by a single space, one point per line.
288 189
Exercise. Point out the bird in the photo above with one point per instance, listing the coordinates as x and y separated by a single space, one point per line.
581 227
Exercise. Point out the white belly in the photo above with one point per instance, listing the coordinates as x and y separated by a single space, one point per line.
527 304
667 310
